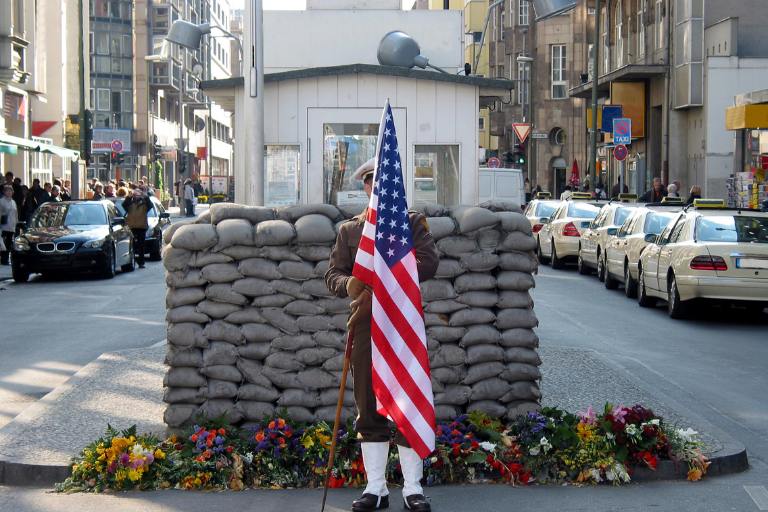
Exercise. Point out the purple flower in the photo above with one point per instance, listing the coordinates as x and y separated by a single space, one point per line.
218 440
125 459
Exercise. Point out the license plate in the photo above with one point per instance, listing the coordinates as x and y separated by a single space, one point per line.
751 263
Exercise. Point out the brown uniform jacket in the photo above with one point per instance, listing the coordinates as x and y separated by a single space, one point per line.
343 254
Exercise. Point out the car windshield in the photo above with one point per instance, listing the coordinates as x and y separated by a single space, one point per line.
732 228
545 209
621 216
52 215
582 211
656 222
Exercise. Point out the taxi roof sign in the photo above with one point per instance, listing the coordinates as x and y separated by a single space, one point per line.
543 195
671 200
708 203
581 196
628 198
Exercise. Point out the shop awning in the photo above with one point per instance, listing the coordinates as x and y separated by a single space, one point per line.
749 117
33 145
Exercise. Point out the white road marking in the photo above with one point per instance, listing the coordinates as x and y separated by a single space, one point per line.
759 495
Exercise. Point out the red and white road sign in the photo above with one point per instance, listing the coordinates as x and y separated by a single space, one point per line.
117 146
522 130
494 163
620 152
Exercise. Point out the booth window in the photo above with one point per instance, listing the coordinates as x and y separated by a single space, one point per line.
436 178
346 146
281 175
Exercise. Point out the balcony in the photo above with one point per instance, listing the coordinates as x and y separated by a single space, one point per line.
166 75
13 52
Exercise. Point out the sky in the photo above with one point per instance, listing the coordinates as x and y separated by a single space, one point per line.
287 4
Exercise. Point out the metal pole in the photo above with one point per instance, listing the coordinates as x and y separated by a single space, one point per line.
254 104
595 75
180 143
84 142
210 151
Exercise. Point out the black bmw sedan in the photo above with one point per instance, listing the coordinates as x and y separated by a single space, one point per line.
73 236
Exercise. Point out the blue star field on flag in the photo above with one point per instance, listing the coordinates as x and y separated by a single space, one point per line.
393 231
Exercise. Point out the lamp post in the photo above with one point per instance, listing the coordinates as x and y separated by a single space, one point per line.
595 74
528 102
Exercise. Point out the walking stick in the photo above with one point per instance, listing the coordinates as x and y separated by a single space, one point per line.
337 420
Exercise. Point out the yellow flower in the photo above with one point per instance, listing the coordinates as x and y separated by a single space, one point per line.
134 475
159 454
695 475
307 442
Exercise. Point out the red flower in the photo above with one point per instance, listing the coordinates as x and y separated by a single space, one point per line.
193 438
651 460
455 450
455 432
335 482
229 449
222 432
475 444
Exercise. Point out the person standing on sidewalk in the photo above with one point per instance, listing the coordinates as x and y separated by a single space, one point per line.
189 198
9 216
136 209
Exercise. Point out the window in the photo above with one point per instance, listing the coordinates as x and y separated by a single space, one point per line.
619 15
522 13
436 174
127 46
659 24
606 31
523 84
677 232
481 124
102 99
116 101
501 27
281 175
346 146
127 101
476 36
732 228
656 222
641 27
559 83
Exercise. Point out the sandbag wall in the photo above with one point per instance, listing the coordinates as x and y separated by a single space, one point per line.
252 328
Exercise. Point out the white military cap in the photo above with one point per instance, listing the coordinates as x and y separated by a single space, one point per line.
364 170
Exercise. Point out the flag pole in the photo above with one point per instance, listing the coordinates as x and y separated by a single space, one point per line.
337 419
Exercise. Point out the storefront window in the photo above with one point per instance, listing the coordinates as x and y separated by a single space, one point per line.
436 175
346 146
281 180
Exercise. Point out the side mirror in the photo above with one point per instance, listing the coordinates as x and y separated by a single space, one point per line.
612 231
118 221
165 215
650 238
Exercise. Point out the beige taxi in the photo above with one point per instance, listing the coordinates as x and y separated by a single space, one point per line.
538 210
591 254
623 250
707 252
560 235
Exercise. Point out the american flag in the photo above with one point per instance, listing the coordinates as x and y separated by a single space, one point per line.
386 261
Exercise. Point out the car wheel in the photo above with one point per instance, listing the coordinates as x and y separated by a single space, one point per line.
600 267
109 265
643 300
580 266
555 262
131 265
154 253
630 285
19 274
608 280
542 259
675 307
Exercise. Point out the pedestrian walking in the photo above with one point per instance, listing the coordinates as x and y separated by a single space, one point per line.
9 216
655 194
137 207
189 198
373 429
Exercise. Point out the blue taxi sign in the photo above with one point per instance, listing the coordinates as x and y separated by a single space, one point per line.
622 130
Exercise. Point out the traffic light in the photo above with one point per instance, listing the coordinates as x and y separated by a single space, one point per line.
182 165
88 135
116 158
518 156
156 150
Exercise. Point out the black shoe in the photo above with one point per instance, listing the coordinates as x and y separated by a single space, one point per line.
141 265
369 501
417 502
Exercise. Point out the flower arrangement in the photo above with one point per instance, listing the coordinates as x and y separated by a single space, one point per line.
549 446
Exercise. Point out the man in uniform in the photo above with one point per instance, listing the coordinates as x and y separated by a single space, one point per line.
373 429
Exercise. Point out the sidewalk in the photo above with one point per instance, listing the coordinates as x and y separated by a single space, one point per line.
125 388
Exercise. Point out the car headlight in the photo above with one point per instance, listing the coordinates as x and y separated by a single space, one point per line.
20 244
94 244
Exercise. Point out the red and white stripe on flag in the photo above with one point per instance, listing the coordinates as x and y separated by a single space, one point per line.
386 262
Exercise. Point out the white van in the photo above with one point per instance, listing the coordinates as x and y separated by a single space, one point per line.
501 184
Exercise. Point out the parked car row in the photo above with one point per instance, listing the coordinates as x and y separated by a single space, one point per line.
81 236
660 251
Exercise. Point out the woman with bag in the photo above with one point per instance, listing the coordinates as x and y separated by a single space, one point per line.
9 217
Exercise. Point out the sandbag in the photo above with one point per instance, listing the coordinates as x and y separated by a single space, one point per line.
480 299
257 351
183 396
446 412
519 338
184 314
257 393
484 354
474 282
517 241
455 246
520 408
194 237
516 281
446 334
281 378
219 352
444 306
169 231
278 300
221 408
513 221
335 363
292 343
480 261
292 288
482 371
450 374
277 318
297 271
331 397
332 339
522 355
314 229
314 253
244 252
274 232
222 372
259 333
254 214
300 414
186 335
511 318
496 205
322 267
449 268
316 288
233 232
259 267
253 287
315 323
437 289
183 378
453 395
489 389
520 372
178 415
178 357
335 305
221 273
509 299
221 389
217 309
328 414
480 335
175 258
183 296
184 279
300 397
437 386
224 331
441 227
528 391
472 218
294 213
448 355
253 372
279 254
225 292
246 316
518 261
487 239
490 407
202 258
283 361
314 356
471 316
434 319
303 308
433 210
317 378
256 410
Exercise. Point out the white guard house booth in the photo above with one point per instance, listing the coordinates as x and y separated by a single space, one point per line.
321 123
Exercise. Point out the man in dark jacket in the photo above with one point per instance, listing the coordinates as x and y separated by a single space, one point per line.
136 209
656 194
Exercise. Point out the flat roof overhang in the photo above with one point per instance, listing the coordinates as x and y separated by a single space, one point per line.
628 73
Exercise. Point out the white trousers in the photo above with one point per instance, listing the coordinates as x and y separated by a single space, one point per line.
375 457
